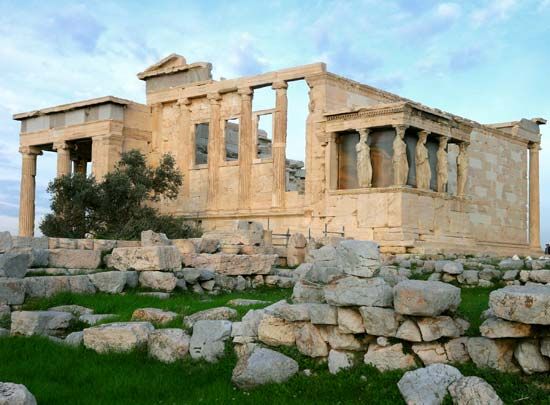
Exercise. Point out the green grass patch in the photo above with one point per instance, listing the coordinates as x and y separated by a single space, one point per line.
474 302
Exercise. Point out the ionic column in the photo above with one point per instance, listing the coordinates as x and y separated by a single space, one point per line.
279 144
28 187
331 161
214 139
63 158
246 148
462 169
534 202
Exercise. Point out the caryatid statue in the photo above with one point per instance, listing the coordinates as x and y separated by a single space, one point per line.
399 159
442 165
364 165
462 168
423 171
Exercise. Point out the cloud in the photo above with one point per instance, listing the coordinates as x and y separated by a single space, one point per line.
466 58
494 11
245 58
441 18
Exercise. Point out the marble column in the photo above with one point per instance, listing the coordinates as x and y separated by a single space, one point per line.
331 161
399 159
534 202
364 165
214 141
63 158
186 147
246 147
28 189
462 169
279 145
442 165
423 170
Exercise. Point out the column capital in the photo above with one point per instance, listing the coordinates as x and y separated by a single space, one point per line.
61 145
245 91
362 131
214 98
30 150
184 101
400 129
533 146
281 84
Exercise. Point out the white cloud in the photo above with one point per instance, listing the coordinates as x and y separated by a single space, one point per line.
494 11
449 11
9 224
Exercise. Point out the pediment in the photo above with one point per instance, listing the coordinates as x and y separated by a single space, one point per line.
171 61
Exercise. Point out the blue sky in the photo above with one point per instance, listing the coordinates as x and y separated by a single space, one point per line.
486 60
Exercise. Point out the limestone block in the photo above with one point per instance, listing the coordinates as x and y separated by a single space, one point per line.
15 394
159 258
457 350
28 323
296 249
470 277
231 264
429 298
158 280
491 353
208 339
323 314
208 245
104 245
76 310
510 275
248 327
430 353
409 331
5 241
499 328
168 345
12 291
490 274
339 360
529 357
545 346
29 242
473 391
305 291
449 267
94 319
5 311
153 315
388 358
438 327
350 320
74 339
427 385
359 258
112 282
150 238
185 246
540 276
310 342
75 258
526 304
290 312
263 366
511 264
44 287
354 291
212 314
340 341
391 275
380 321
326 266
14 265
117 336
276 332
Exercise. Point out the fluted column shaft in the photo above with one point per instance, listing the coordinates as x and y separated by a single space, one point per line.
534 197
279 145
214 139
63 158
246 148
28 189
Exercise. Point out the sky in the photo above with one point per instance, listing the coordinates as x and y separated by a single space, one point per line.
487 60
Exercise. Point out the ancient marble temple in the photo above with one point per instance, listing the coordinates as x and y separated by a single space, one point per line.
377 166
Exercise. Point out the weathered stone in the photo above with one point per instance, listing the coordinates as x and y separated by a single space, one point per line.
540 276
470 277
15 394
208 285
359 291
208 245
44 287
511 264
490 274
457 350
212 314
527 304
340 341
263 366
388 358
5 311
490 353
409 331
208 339
232 264
430 353
326 266
499 328
473 391
158 280
391 275
168 345
12 291
74 339
14 265
359 258
305 291
153 315
185 246
94 319
242 302
76 310
339 360
323 314
449 267
150 238
117 336
510 275
545 346
248 327
5 241
296 249
427 386
104 245
529 357
112 282
428 298
350 320
155 294
28 323
438 327
75 258
276 332
310 342
380 321
291 312
151 258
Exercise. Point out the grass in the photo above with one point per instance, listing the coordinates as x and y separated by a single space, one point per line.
60 374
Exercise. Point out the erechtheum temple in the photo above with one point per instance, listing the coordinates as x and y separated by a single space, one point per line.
377 166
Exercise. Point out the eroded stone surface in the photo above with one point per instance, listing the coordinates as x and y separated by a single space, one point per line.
153 315
118 336
149 258
15 394
28 323
158 280
208 339
388 358
492 353
529 357
527 304
211 314
427 386
473 391
168 345
428 298
359 292
75 258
